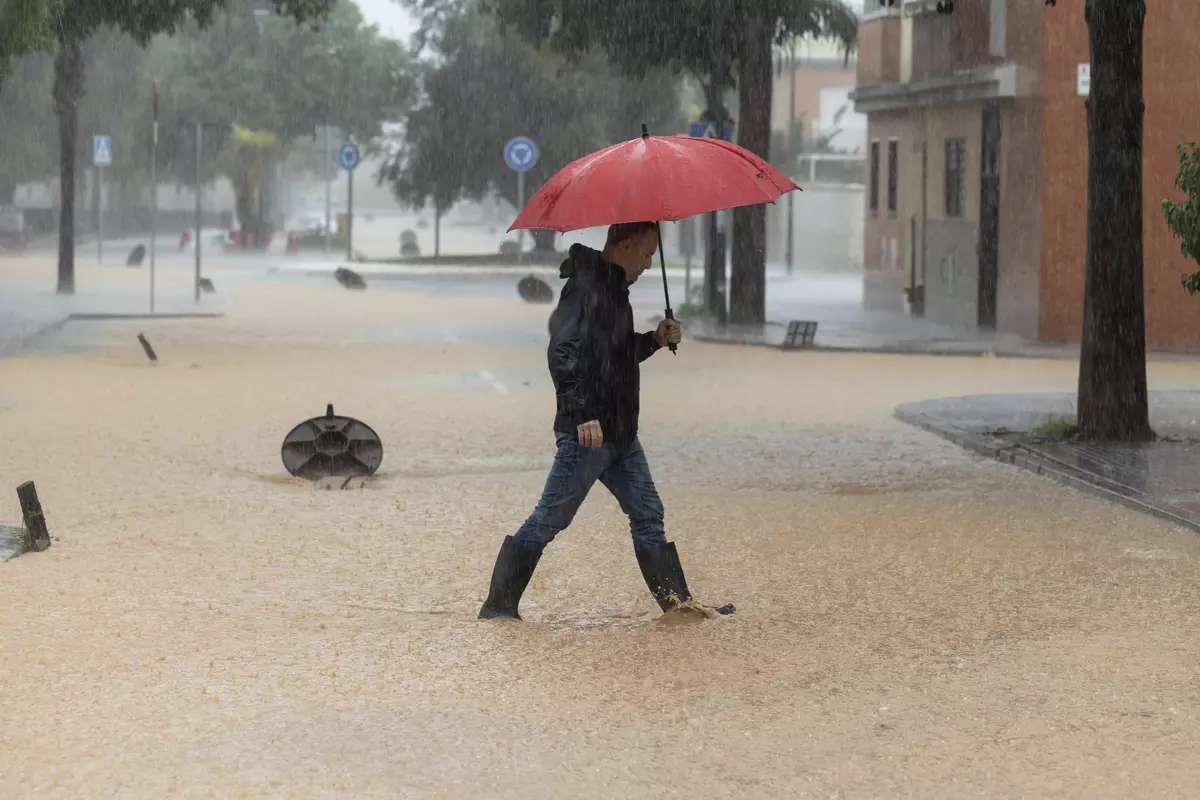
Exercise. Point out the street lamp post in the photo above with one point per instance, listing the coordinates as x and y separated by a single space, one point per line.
791 207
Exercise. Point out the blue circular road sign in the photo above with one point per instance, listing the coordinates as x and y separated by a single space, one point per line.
348 156
521 154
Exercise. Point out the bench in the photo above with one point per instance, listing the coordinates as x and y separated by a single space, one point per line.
800 334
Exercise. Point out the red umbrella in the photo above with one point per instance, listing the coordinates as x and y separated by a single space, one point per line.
653 178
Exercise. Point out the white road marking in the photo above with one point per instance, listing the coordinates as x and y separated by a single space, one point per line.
497 385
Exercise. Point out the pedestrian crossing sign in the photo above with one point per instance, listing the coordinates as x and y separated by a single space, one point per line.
102 151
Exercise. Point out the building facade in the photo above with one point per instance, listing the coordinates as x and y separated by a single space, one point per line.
977 164
814 79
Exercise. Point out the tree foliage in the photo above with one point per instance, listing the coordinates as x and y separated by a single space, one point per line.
1183 218
483 84
280 76
680 35
23 29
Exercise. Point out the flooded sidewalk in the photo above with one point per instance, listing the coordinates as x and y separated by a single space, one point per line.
30 307
912 620
1032 431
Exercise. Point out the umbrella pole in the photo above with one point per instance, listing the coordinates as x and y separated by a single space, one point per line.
662 261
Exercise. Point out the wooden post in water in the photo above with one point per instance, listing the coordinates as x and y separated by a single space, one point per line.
37 537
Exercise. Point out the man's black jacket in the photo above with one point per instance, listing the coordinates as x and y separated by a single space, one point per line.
594 352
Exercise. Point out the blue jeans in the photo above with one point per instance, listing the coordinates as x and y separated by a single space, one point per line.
623 471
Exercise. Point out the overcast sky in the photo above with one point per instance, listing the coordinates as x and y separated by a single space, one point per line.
392 20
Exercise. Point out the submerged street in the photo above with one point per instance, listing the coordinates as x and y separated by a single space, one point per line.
912 621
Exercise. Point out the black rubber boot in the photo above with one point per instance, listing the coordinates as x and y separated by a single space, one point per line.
664 575
514 567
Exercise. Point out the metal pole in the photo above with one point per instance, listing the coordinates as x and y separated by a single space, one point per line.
349 215
100 215
153 195
715 268
325 158
199 207
687 279
791 207
520 205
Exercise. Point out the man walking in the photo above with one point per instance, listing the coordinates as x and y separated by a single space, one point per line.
593 356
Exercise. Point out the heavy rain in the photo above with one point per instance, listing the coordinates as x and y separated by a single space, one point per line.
550 398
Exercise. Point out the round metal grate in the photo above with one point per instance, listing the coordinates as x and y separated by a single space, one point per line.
332 446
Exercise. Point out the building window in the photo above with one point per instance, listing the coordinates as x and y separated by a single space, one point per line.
956 177
998 30
893 175
874 178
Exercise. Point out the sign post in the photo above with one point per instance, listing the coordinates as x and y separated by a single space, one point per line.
101 158
153 195
199 206
348 158
521 155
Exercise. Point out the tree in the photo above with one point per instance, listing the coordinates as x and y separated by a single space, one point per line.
485 84
267 83
683 35
1113 400
1183 218
63 27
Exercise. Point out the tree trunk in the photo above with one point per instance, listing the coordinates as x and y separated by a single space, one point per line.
1113 403
249 212
437 232
68 90
713 99
543 241
748 278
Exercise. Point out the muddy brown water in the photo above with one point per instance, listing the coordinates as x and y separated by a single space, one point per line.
912 622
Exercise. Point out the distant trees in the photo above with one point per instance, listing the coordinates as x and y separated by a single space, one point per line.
483 84
721 43
62 29
250 70
265 82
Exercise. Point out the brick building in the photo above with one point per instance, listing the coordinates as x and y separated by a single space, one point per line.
977 164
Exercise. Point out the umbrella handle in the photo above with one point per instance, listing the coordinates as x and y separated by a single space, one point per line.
662 261
674 347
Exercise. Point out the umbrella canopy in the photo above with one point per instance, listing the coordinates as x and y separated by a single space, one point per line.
652 178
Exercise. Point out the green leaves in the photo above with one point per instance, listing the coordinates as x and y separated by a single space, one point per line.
1183 218
486 84
688 35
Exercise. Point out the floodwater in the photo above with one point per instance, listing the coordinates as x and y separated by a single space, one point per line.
911 621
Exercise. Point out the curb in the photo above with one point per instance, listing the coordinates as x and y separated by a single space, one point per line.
54 327
1032 461
100 317
888 350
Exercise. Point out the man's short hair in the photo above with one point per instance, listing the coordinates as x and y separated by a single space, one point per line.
628 230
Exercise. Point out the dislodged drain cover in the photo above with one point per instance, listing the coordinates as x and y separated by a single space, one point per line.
332 446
